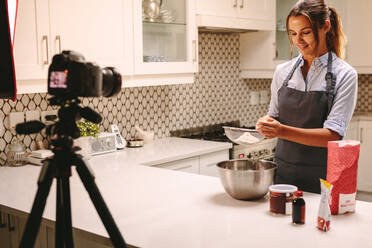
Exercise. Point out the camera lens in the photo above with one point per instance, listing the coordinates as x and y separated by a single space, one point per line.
111 82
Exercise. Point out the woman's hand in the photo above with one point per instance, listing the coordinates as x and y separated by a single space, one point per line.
268 127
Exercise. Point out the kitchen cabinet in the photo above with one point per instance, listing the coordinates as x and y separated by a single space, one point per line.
5 239
12 225
204 164
362 130
236 14
365 157
356 14
190 165
258 51
111 34
208 162
167 44
46 27
352 131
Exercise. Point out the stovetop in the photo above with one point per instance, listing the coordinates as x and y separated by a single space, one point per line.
211 132
264 150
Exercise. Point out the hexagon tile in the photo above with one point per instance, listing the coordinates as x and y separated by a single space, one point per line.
218 95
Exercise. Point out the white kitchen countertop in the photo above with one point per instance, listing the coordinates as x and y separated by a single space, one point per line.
162 208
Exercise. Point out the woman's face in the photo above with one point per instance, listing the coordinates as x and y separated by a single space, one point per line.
299 29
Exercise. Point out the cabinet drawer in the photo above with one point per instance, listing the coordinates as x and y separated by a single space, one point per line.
190 165
209 161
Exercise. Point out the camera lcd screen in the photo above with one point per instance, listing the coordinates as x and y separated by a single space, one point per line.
58 79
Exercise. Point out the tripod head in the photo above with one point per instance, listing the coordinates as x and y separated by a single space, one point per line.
65 128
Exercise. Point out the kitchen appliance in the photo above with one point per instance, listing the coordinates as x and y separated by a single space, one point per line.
262 150
104 143
246 179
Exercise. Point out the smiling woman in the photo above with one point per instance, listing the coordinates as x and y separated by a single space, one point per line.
312 96
7 73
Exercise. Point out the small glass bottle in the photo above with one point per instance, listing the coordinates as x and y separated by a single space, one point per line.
298 208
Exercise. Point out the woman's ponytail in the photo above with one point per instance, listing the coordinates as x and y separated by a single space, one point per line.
336 39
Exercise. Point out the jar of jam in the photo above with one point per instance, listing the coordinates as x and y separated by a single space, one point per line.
281 197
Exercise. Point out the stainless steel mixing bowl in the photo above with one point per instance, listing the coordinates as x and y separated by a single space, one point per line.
246 179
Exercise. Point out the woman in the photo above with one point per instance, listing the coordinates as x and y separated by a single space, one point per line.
313 96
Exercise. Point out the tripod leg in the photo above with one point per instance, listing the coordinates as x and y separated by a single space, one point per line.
63 219
59 225
34 219
100 205
67 213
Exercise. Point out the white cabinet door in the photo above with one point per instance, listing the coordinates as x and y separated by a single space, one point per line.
236 14
365 158
359 50
258 49
93 28
31 40
190 165
352 131
260 12
356 14
208 162
257 54
165 46
224 8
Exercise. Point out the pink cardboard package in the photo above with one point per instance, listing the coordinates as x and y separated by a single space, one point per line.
342 169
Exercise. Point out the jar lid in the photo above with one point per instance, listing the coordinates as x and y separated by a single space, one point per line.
299 193
283 188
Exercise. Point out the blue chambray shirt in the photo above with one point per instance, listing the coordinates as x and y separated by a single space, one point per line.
346 88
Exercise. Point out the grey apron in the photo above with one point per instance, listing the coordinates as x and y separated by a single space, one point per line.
298 164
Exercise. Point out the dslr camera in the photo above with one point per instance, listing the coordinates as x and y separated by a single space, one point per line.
70 76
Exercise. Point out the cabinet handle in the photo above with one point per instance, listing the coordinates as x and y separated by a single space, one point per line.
2 225
10 227
242 4
45 39
58 38
361 135
235 3
194 48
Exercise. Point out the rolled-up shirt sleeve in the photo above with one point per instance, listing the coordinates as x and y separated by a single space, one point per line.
344 103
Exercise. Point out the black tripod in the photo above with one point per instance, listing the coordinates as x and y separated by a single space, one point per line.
59 167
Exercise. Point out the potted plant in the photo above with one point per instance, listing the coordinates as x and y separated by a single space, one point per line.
88 130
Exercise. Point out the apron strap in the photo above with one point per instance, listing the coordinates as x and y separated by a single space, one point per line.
291 72
331 83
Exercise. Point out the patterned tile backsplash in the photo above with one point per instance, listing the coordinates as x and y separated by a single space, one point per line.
218 95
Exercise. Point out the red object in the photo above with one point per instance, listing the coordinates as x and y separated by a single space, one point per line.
323 225
299 193
342 168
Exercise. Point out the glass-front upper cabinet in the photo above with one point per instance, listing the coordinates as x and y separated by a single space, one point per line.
281 38
165 37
